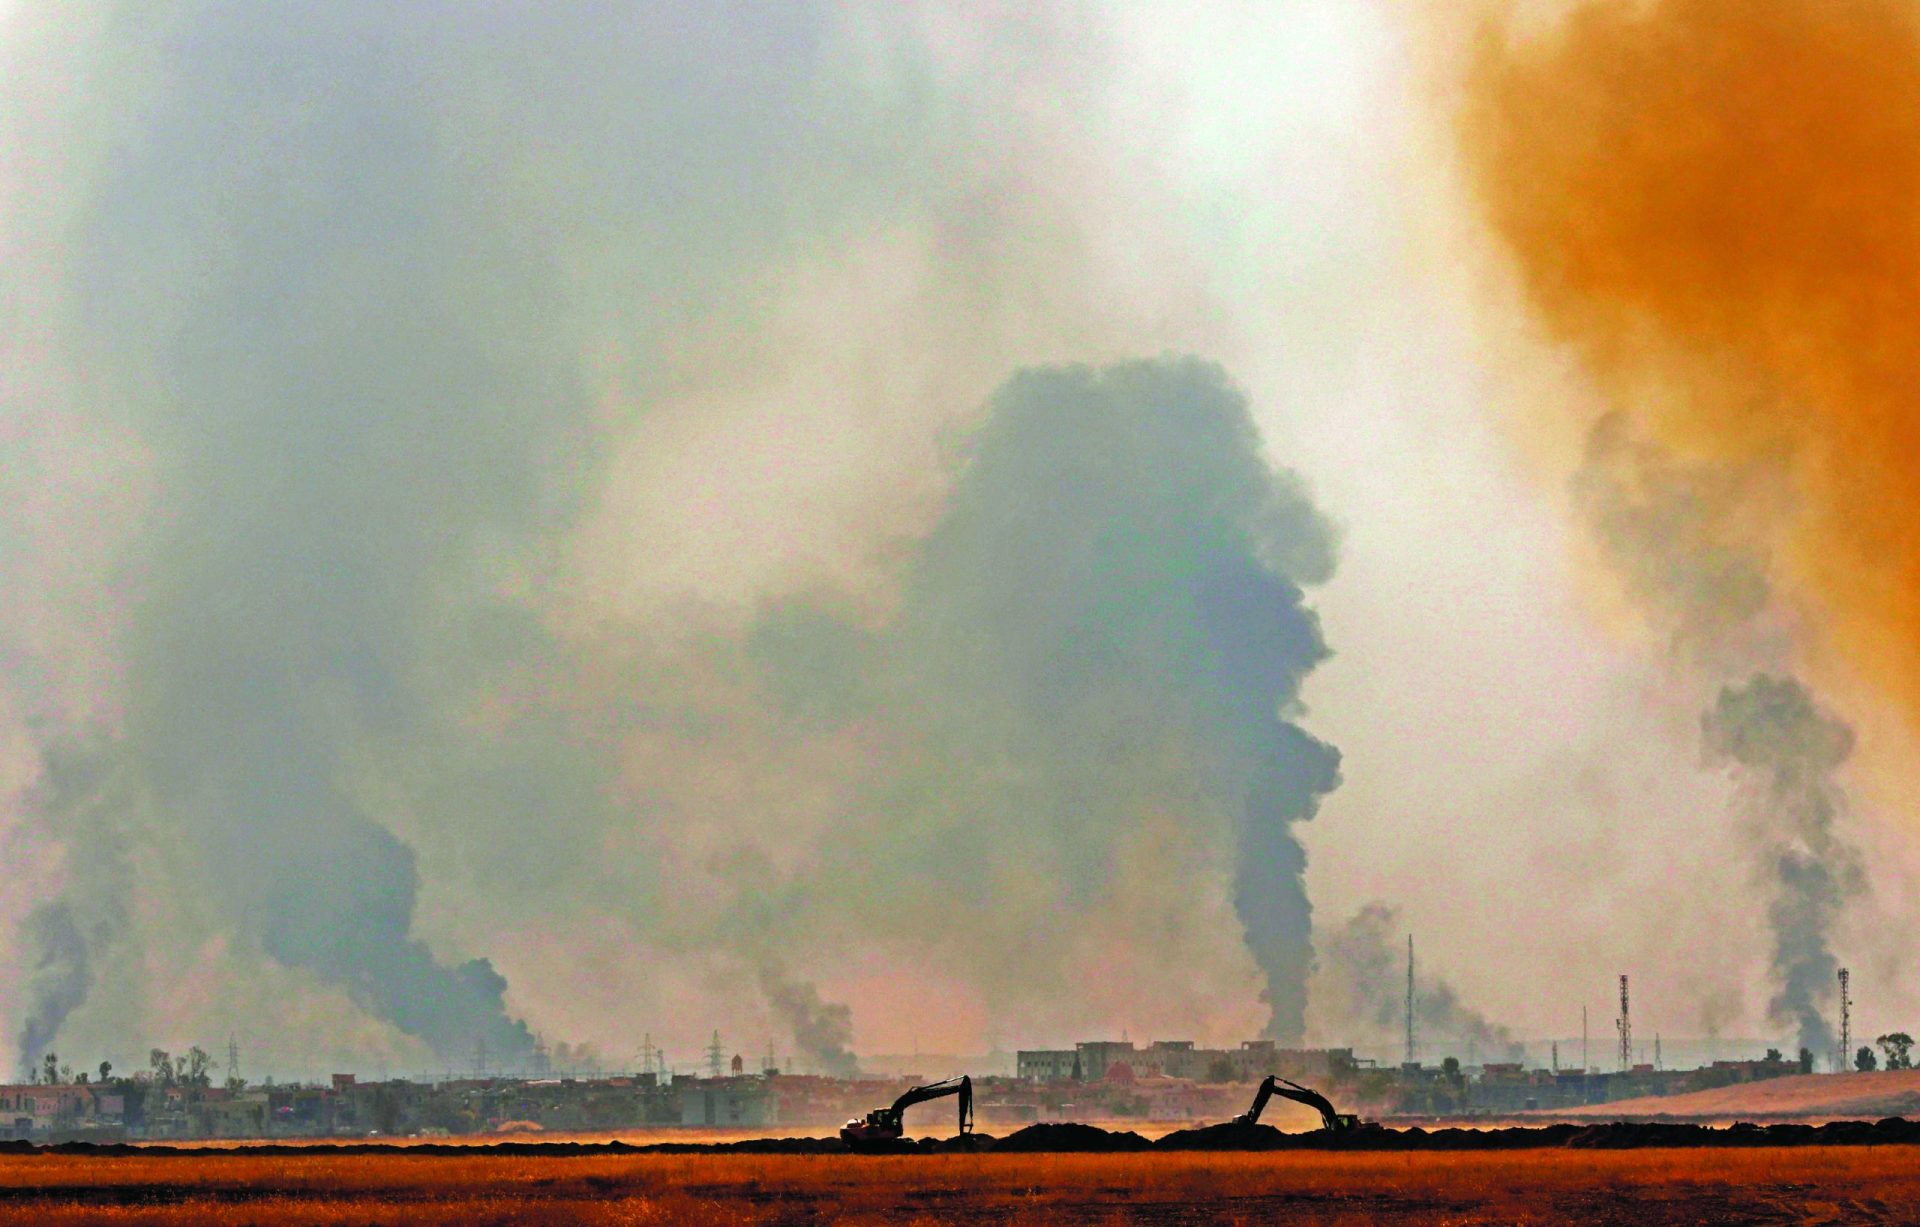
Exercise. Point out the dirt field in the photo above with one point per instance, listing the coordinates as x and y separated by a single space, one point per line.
1803 1097
1810 1185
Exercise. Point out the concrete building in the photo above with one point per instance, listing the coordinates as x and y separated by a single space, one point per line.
1097 1055
745 1103
1044 1064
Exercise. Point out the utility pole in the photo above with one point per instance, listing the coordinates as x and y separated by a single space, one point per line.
1584 1065
233 1057
1413 1051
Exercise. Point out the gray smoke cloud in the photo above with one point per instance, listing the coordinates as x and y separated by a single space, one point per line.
1108 620
57 978
337 278
382 307
1685 539
1784 750
822 1030
1360 991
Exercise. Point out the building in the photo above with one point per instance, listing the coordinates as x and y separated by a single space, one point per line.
1096 1056
1045 1064
744 1103
35 1110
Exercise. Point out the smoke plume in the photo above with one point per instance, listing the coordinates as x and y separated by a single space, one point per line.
1683 537
822 1030
1713 207
1360 984
538 546
1783 751
57 977
1716 207
1107 626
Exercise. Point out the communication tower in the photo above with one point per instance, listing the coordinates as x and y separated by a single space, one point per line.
716 1056
1413 1051
1846 1024
1626 1029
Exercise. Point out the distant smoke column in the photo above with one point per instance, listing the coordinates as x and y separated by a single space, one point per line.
1270 871
1682 536
1366 992
822 1030
1120 572
1265 643
57 977
1784 751
354 398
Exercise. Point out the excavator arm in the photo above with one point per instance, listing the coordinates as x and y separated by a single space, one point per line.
1275 1085
961 1086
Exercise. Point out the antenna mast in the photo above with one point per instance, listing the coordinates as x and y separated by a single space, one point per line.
1626 1029
1846 1024
1413 1052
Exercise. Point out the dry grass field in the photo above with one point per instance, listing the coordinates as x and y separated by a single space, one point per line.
1802 1185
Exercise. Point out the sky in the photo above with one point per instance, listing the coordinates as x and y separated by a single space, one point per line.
557 480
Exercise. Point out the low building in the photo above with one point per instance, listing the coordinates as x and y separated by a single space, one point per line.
35 1110
745 1103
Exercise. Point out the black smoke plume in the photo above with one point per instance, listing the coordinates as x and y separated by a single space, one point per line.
1685 539
1783 750
1108 619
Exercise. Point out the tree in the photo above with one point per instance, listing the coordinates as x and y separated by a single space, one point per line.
197 1064
50 1069
1806 1060
1898 1046
1864 1060
106 1068
161 1062
1220 1071
1773 1056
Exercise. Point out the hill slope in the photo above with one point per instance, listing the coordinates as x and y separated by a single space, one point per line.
1869 1096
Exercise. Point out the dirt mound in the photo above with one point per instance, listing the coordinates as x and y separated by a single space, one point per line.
960 1144
1232 1135
1066 1137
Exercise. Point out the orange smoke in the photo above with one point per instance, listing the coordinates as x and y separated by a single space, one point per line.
1716 205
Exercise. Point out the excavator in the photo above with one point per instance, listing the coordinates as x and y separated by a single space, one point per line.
1331 1121
884 1124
